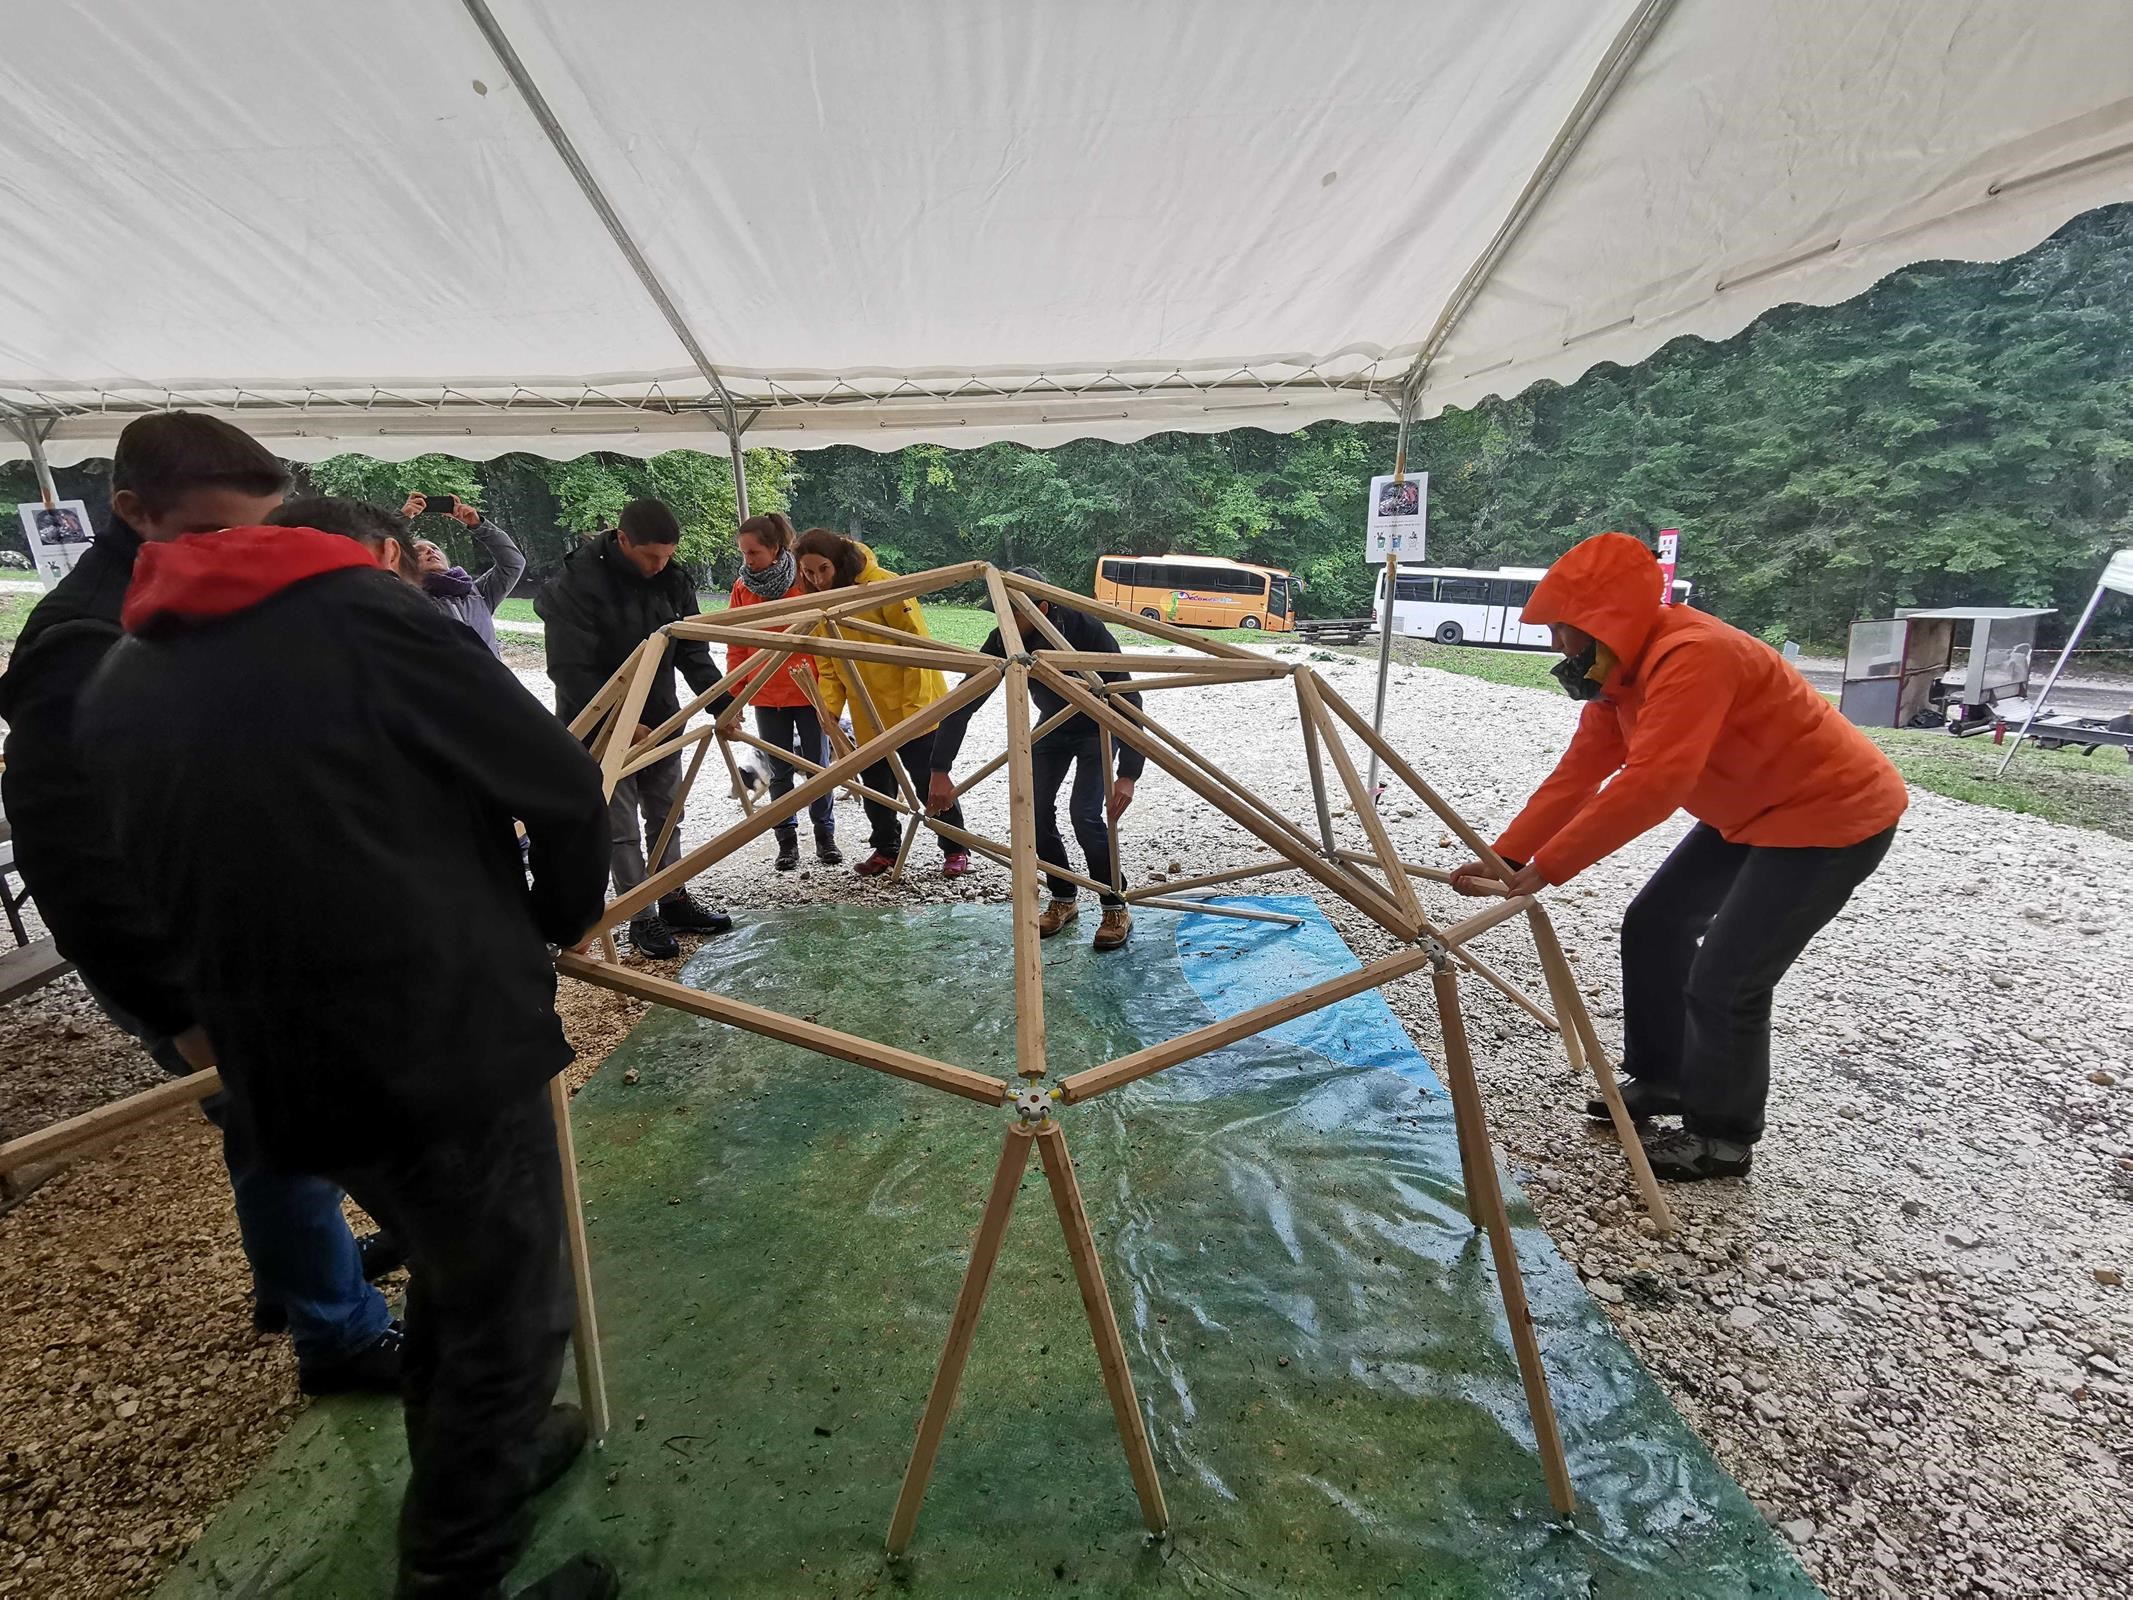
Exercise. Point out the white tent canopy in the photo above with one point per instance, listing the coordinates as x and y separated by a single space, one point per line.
378 225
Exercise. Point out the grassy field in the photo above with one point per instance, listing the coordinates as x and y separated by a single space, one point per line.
2059 785
14 612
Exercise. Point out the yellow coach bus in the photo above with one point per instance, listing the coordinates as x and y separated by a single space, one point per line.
1200 591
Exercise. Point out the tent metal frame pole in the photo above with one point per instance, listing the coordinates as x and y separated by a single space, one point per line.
740 471
2066 653
1392 599
1629 44
536 102
31 432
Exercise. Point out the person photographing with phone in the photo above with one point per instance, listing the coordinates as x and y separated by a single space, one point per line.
1795 808
472 601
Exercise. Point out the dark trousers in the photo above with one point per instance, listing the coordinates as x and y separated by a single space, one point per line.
1703 947
488 1317
1087 809
634 817
295 1236
796 728
884 832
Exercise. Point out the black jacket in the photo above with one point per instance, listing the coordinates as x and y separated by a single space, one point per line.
314 774
598 608
98 915
1084 633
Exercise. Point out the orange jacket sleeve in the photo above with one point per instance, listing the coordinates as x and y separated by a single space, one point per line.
1596 752
1685 702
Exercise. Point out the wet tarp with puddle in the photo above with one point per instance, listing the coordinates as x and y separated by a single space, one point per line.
1314 1330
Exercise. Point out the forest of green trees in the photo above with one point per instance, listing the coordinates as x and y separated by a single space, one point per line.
1958 433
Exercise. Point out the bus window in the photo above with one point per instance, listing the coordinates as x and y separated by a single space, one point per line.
1462 591
1416 588
1118 571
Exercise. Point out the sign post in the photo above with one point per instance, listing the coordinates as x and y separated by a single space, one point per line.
1669 554
1395 526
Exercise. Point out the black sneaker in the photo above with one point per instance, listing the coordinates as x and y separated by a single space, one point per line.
560 1441
1641 1098
374 1369
582 1577
1683 1157
649 938
678 912
381 1253
788 851
829 855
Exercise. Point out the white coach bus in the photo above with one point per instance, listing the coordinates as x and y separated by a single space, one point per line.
1470 605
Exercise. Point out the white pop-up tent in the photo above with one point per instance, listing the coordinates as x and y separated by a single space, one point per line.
397 226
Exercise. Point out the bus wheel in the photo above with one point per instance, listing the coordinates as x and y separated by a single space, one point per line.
1151 613
1251 623
1450 633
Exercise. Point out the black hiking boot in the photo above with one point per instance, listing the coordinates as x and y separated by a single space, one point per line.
826 850
582 1577
381 1254
374 1369
1642 1099
649 938
788 850
678 912
1683 1157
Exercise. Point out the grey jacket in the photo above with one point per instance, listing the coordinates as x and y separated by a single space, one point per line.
491 589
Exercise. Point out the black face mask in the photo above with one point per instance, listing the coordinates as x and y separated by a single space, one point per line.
1571 673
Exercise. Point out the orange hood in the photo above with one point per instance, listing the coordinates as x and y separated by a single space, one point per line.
1609 587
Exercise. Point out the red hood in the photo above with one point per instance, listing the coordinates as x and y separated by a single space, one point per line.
205 576
1609 587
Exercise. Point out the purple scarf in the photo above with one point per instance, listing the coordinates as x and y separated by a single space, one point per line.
452 583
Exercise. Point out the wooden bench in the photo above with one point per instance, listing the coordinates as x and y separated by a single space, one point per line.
30 968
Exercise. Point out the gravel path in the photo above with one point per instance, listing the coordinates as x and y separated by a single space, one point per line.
1904 1334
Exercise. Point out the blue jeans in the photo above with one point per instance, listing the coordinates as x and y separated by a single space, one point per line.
303 1257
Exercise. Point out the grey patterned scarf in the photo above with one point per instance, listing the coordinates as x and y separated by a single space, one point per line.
773 581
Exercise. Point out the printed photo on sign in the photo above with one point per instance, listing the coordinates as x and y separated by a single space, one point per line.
1398 516
57 536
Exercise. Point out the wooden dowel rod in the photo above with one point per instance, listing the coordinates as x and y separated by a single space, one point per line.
585 1320
1103 661
1330 991
1171 680
1483 851
1388 859
1510 1283
859 597
1308 726
60 1138
1481 922
756 667
1055 720
681 802
962 1329
905 1064
1003 613
801 763
1208 879
1107 612
1105 758
651 661
1509 990
1103 1324
650 755
1028 887
946 658
1241 913
1428 874
589 717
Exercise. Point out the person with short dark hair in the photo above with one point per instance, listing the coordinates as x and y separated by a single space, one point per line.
1097 798
287 708
784 716
828 561
173 474
610 595
472 600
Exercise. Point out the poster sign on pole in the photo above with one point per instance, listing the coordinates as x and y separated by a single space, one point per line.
1399 515
57 535
1669 554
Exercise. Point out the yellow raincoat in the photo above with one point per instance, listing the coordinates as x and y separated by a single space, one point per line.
896 691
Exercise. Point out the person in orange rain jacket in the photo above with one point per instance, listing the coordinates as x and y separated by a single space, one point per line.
784 716
1794 808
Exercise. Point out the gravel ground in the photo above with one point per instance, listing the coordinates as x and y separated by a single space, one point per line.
1905 1333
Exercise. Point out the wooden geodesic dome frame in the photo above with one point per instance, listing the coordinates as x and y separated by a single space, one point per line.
1376 881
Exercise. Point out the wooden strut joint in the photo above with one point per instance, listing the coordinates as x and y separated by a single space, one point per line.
1283 839
1313 706
1578 1027
799 797
962 1329
651 662
585 1321
1028 886
1467 1107
905 1064
1103 1324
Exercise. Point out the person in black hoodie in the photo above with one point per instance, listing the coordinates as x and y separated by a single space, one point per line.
1097 798
174 473
283 711
609 596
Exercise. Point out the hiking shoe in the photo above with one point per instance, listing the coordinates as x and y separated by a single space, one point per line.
374 1369
955 864
558 1442
826 850
1112 931
582 1577
1056 916
683 915
788 852
1641 1098
875 865
649 938
1683 1157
